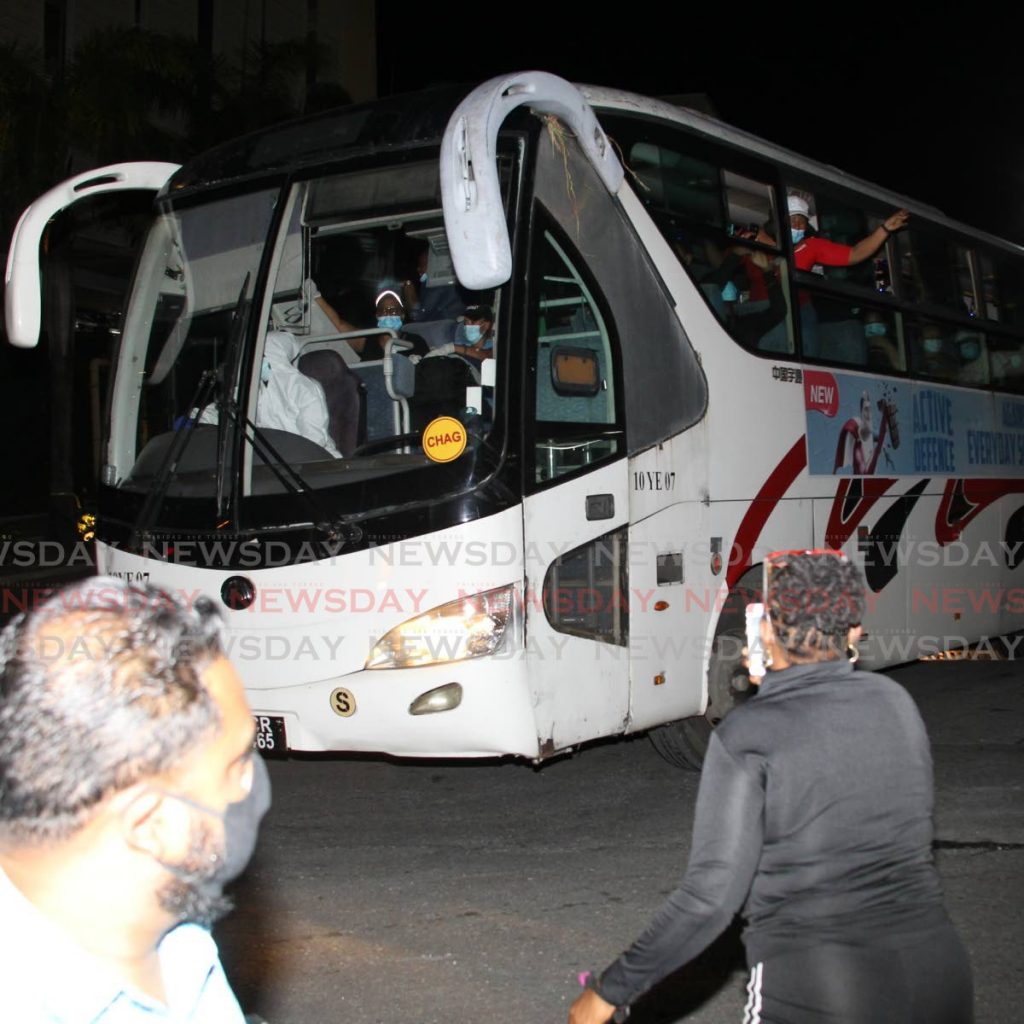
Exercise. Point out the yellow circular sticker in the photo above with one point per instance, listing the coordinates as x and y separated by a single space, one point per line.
444 439
343 702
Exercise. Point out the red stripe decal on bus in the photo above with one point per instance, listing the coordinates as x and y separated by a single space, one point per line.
854 498
962 500
788 469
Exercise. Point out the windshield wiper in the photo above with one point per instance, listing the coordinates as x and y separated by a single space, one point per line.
227 403
175 451
223 386
335 530
210 385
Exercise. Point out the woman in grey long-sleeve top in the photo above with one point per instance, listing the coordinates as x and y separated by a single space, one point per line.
814 817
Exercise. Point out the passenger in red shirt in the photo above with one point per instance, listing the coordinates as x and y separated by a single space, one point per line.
811 250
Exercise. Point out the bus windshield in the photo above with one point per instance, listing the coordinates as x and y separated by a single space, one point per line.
362 340
196 272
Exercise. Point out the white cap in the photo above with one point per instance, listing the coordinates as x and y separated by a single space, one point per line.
799 205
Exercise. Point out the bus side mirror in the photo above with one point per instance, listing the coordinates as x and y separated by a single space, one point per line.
474 215
22 293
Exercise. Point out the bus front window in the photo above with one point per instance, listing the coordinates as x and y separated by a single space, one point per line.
193 289
364 290
359 349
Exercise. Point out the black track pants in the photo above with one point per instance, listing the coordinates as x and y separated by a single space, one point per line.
917 979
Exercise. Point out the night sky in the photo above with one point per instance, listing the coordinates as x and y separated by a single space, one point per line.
930 106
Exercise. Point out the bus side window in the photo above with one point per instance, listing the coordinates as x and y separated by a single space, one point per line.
575 388
1002 287
684 185
1006 359
932 270
584 592
947 353
845 331
845 223
723 227
885 351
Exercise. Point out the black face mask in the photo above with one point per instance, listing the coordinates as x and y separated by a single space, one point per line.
197 896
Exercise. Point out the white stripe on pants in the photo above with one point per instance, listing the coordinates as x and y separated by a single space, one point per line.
752 1011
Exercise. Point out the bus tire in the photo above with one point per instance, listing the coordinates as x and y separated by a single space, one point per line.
684 743
676 744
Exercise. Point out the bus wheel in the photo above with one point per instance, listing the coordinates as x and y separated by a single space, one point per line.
684 743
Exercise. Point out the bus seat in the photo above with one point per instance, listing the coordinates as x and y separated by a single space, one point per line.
344 394
441 384
403 375
383 415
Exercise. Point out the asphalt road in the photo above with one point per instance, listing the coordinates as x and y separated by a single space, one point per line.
460 893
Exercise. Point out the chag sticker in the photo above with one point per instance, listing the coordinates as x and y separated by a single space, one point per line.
444 439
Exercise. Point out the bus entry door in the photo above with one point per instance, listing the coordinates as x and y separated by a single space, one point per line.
577 608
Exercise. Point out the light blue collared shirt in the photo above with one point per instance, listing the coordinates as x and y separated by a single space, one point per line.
47 978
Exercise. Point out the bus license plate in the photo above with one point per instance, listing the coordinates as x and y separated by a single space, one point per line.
270 738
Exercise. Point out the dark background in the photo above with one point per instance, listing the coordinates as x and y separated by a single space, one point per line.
928 104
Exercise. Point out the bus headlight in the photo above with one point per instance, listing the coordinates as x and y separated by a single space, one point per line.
468 627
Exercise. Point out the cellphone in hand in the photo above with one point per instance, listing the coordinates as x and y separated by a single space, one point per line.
743 230
755 649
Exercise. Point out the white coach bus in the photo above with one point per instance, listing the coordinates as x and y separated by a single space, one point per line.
428 541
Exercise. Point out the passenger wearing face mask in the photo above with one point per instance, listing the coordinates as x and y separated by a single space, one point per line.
390 316
287 399
810 249
935 355
749 273
883 353
973 357
442 378
390 311
474 340
130 795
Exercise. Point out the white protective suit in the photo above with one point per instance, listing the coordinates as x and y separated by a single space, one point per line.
288 399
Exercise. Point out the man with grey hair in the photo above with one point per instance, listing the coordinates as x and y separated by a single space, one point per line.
129 796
